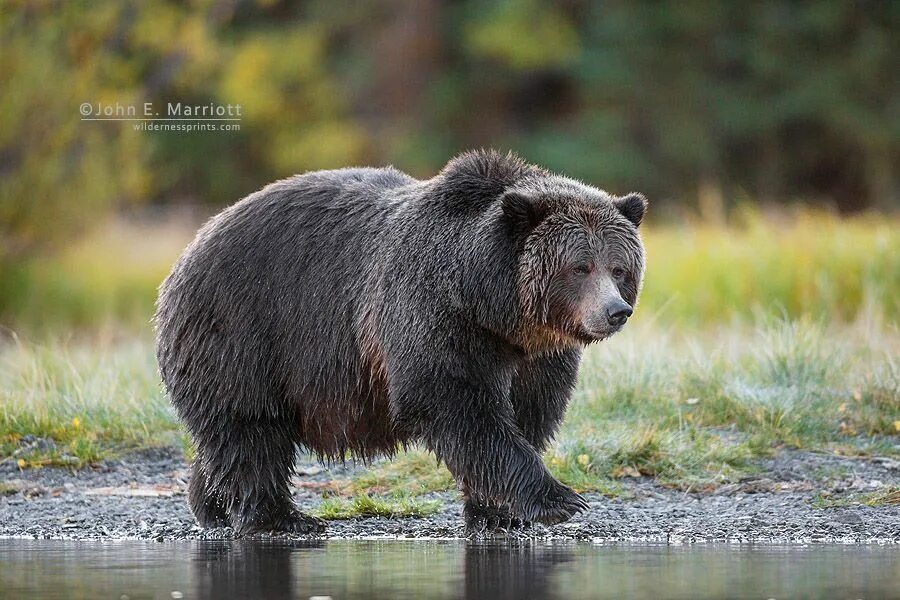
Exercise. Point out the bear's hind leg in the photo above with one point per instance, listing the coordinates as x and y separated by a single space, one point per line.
247 463
207 506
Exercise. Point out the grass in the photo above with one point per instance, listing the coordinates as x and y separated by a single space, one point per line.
72 404
749 338
690 409
697 412
414 471
811 264
364 505
881 497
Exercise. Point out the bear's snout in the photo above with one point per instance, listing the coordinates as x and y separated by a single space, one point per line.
618 312
604 311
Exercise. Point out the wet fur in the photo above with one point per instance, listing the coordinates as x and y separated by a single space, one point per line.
360 310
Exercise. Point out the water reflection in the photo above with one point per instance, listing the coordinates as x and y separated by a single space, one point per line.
244 570
451 569
371 570
514 571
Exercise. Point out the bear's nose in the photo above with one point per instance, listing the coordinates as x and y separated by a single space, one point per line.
619 312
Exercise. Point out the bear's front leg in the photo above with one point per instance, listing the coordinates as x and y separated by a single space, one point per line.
471 427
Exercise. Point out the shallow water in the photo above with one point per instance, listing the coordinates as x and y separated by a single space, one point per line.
441 569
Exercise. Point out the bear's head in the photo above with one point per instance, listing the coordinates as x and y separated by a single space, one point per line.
580 260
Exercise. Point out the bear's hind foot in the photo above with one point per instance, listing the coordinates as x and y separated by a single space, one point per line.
294 522
482 520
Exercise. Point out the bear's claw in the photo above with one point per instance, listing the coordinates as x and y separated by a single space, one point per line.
488 519
295 523
560 504
303 524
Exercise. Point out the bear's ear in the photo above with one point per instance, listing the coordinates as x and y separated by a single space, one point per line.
523 211
633 206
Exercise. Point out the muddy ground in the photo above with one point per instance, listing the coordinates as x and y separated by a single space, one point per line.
141 496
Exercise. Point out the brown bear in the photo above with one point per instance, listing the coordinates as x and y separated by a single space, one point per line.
354 311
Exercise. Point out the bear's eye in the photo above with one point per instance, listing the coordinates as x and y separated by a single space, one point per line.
583 269
618 273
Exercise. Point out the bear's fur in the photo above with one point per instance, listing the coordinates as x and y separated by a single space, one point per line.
360 310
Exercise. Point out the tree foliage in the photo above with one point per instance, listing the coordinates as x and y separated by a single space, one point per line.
773 100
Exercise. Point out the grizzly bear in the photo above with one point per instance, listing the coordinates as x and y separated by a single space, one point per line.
356 311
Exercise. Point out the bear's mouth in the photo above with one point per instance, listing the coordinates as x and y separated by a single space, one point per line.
587 336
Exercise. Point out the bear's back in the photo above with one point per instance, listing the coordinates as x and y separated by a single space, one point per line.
266 300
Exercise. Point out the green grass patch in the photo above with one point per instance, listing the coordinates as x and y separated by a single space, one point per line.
684 458
418 472
698 409
882 497
414 471
691 409
70 404
364 505
581 474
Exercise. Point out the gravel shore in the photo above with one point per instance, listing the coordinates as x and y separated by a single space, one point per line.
141 496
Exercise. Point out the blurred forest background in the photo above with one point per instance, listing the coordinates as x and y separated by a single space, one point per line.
766 135
720 112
